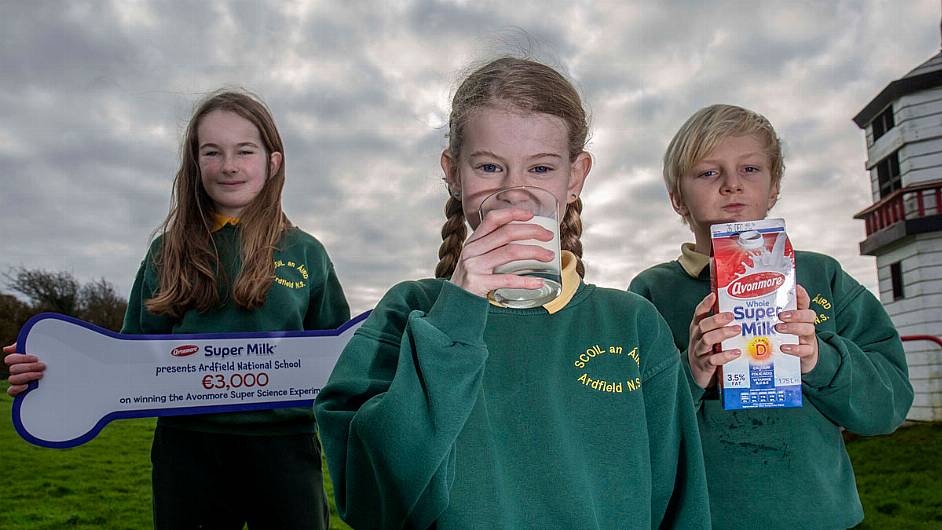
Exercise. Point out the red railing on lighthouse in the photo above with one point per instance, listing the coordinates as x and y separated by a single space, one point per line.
911 202
930 338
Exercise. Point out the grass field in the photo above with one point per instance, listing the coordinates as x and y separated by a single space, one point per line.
106 482
899 478
103 484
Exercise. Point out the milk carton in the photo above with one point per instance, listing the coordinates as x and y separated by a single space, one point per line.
753 276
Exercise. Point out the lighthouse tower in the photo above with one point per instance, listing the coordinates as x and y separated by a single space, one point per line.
903 125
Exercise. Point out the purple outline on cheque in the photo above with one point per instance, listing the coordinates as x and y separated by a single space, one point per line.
104 335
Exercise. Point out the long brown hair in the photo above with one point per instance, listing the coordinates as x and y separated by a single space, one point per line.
531 87
187 259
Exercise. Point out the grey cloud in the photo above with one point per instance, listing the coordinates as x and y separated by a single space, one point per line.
95 95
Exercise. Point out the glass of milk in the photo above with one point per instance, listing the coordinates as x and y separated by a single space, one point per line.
545 209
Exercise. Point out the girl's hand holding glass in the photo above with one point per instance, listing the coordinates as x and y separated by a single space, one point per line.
492 244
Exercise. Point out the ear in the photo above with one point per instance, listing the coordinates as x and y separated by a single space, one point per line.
274 163
578 171
773 194
678 203
450 168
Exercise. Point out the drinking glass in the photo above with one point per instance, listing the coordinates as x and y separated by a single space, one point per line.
545 209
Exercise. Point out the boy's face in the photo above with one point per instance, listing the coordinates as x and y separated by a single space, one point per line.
732 183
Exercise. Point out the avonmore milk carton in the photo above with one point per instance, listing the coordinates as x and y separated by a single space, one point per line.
753 276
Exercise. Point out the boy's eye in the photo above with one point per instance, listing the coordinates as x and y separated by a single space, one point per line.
210 153
752 169
541 169
246 152
708 173
489 168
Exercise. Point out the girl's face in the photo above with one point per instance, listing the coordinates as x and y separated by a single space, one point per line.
732 183
233 163
506 147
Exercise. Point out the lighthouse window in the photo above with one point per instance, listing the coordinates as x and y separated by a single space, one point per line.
884 122
896 277
888 174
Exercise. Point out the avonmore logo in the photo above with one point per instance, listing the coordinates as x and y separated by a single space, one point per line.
756 285
183 351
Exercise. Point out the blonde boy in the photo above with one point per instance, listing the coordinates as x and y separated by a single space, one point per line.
772 468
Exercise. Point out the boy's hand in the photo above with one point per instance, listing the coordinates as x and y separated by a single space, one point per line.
23 369
706 331
801 322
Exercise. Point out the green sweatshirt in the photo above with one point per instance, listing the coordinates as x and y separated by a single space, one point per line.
788 468
446 410
305 294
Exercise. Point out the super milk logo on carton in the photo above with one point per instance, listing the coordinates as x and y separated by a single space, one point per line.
753 276
756 285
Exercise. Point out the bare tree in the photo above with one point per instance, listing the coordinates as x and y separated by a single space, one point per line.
99 304
46 290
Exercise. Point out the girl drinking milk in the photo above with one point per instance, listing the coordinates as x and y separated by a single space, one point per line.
450 409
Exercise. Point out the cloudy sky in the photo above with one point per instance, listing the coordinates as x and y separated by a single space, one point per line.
94 97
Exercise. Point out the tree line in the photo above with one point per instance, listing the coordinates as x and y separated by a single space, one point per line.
33 291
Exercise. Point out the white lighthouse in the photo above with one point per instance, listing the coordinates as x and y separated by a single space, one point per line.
903 125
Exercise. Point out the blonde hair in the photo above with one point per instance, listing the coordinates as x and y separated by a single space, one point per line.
187 259
709 126
527 86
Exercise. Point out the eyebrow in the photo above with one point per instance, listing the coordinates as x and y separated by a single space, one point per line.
741 157
240 144
494 155
483 153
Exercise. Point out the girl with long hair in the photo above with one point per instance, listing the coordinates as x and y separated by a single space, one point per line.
227 259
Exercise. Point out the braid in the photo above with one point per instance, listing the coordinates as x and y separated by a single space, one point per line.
454 233
571 231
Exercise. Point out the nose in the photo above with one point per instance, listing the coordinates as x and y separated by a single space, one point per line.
518 197
732 182
229 165
515 176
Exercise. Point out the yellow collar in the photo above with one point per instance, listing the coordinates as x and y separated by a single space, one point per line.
220 221
570 280
692 261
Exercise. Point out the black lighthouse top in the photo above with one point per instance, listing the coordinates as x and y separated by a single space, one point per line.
923 77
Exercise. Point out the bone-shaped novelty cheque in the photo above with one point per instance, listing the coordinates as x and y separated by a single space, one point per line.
94 375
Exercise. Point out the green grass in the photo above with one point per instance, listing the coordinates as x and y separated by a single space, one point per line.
898 478
102 484
106 482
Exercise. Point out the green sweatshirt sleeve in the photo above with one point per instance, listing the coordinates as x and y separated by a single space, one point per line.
639 286
395 403
328 307
696 393
679 496
861 381
137 319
